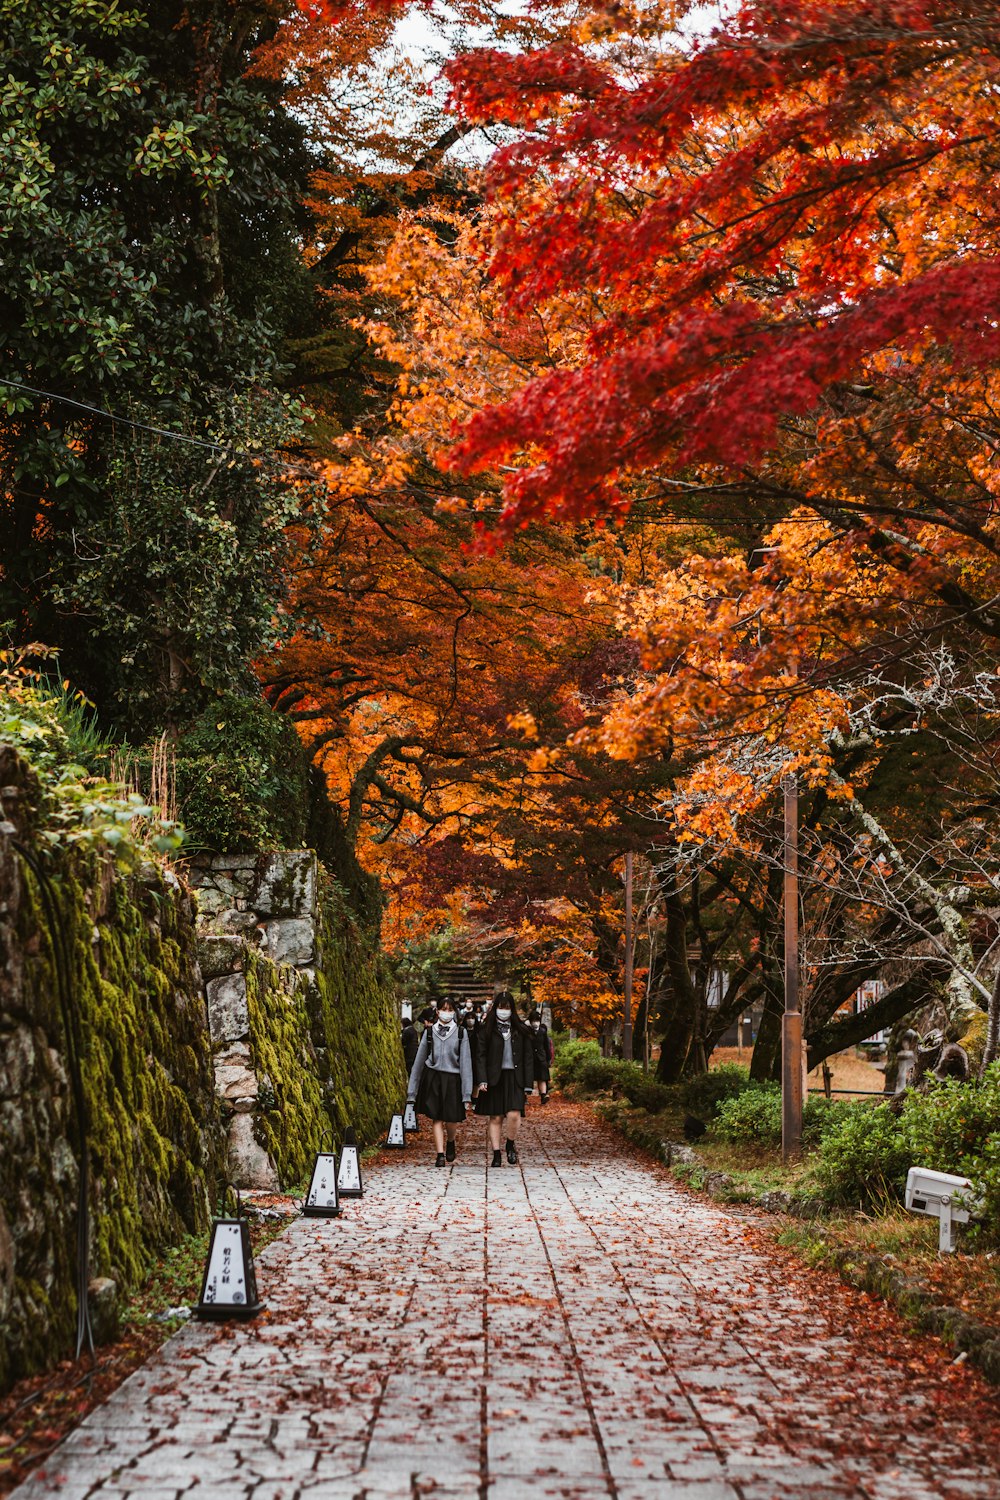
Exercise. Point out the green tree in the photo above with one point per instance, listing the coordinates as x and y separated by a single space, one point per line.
148 212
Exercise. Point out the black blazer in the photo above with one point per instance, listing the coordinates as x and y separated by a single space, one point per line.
543 1052
488 1055
411 1041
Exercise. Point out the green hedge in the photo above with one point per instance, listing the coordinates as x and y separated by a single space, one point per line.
953 1127
753 1116
580 1063
705 1094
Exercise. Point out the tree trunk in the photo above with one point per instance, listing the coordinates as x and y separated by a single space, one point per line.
765 1064
682 1024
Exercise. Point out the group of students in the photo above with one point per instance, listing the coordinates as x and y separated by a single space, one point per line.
488 1062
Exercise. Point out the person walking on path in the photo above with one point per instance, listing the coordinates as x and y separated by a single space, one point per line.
440 1084
505 1073
411 1041
543 1054
427 1018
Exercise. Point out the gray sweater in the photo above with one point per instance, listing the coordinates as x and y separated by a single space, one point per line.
445 1054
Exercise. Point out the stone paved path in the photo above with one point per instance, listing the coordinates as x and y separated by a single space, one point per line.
577 1328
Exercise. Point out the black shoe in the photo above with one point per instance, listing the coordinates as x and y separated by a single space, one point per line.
545 1098
449 1151
497 1160
440 1159
512 1153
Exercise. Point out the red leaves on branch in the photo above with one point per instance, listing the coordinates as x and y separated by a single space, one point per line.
750 221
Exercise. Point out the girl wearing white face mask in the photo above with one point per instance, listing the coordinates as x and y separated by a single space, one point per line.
440 1083
543 1054
505 1065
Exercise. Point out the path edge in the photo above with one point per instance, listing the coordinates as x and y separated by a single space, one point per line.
978 1342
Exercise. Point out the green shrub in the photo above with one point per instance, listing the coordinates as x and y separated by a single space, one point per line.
703 1094
955 1127
864 1158
241 779
751 1117
821 1116
580 1062
570 1057
949 1126
44 728
598 1074
643 1090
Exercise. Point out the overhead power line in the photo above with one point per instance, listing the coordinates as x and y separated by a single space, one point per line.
111 416
229 451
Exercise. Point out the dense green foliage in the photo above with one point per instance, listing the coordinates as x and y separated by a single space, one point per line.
865 1160
953 1127
752 1117
148 210
706 1093
242 778
581 1063
50 729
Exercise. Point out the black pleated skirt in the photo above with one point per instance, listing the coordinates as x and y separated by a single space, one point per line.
439 1096
502 1097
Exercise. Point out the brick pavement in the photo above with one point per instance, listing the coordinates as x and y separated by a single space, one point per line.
576 1328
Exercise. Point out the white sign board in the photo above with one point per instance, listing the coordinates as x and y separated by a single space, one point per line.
396 1136
349 1176
323 1188
410 1116
225 1281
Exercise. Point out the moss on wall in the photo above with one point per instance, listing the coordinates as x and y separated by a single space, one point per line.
292 1121
154 1126
355 1023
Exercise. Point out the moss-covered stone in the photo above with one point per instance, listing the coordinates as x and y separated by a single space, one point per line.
355 1022
153 1124
291 1122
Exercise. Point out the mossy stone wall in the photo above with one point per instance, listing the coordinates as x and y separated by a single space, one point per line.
291 1121
155 1140
304 1020
355 1021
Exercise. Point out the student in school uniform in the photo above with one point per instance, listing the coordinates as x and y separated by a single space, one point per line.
410 1039
505 1068
543 1054
440 1084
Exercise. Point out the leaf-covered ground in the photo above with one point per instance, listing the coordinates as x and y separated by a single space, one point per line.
39 1412
574 1327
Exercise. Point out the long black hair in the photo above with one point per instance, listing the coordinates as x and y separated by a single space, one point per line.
516 1023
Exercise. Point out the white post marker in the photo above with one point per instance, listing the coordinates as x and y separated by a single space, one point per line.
941 1196
322 1201
410 1118
397 1135
349 1183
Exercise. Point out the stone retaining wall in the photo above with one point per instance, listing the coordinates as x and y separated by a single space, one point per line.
258 945
153 1129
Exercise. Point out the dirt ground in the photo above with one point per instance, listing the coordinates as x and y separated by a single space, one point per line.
851 1073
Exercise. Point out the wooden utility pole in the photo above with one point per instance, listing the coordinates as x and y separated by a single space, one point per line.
629 958
791 1024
